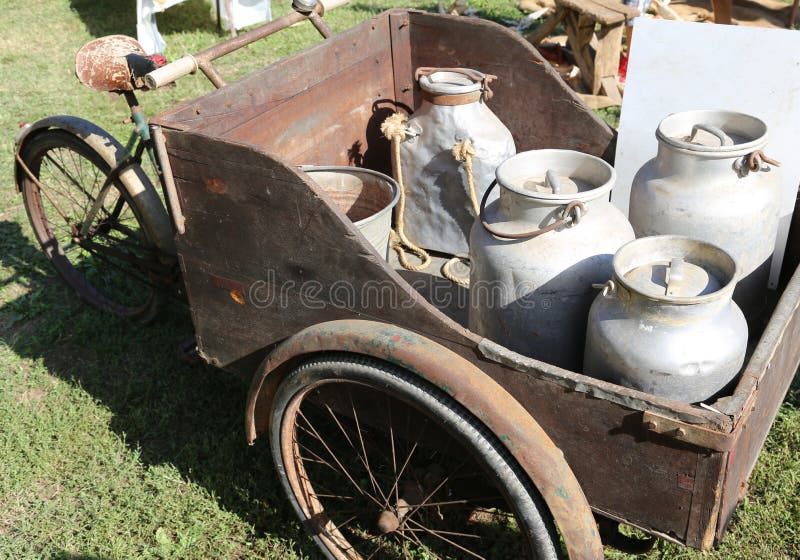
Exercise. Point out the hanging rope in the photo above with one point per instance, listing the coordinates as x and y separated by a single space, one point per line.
448 273
464 152
394 128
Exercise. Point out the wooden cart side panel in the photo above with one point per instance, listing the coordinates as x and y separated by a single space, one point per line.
249 97
706 500
400 30
529 97
641 478
337 122
773 368
265 254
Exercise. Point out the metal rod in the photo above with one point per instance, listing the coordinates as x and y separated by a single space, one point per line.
211 73
169 180
320 24
251 36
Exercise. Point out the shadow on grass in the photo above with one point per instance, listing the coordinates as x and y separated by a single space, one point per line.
171 412
119 16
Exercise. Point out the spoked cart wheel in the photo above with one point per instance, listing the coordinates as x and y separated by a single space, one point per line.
379 463
101 249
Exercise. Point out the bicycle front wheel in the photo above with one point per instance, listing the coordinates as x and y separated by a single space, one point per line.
94 237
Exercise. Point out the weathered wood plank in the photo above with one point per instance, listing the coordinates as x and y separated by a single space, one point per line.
400 28
335 122
772 367
247 98
580 33
605 13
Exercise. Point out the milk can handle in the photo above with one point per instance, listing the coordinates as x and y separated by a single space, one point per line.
484 79
570 215
724 139
609 289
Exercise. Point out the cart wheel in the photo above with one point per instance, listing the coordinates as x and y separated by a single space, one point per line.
381 464
107 263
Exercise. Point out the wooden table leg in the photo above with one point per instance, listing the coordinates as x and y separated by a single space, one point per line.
546 27
793 14
580 31
722 11
606 60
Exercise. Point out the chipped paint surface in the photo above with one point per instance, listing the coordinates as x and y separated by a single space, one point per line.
101 64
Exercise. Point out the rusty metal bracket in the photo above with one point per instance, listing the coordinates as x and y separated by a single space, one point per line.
688 433
169 180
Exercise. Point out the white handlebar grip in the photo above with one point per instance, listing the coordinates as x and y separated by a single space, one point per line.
171 72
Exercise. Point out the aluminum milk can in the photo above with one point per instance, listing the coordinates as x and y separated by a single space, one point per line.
439 212
537 250
710 181
666 324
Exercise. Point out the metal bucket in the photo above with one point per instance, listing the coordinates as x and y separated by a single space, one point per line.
666 323
366 197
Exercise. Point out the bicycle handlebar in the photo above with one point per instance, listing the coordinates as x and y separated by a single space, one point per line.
189 64
171 72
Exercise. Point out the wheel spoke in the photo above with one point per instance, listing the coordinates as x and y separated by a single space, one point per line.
438 487
64 172
465 501
394 455
439 531
413 539
336 459
365 460
450 542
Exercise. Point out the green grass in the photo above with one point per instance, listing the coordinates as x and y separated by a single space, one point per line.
110 446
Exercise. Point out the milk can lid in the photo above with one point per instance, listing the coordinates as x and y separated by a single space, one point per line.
712 131
451 81
556 176
676 269
675 277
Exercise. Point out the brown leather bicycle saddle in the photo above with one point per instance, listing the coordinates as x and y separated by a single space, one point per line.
113 63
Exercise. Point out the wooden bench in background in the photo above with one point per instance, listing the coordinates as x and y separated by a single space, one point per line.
594 31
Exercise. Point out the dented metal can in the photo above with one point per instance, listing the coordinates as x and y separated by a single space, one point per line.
711 181
439 211
666 323
537 250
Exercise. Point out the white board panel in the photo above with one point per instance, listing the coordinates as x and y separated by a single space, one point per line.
680 66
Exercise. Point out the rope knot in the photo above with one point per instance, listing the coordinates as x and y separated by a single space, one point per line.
394 127
463 150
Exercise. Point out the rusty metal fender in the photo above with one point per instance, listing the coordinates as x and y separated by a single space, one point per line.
154 214
481 395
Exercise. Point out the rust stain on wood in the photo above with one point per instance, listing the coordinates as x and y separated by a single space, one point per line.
216 186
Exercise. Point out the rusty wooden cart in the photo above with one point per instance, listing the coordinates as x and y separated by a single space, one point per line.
393 427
